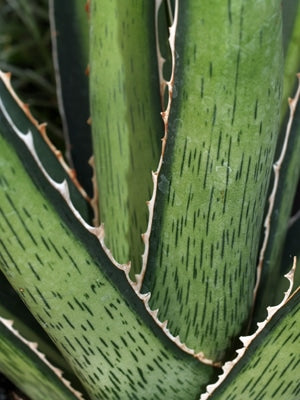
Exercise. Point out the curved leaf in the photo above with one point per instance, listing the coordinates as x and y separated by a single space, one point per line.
287 173
64 277
222 135
70 30
291 37
24 365
12 308
268 369
126 122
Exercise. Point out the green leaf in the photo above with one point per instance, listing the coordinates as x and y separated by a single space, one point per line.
126 122
24 365
287 173
268 369
222 135
12 308
70 30
291 37
291 249
79 297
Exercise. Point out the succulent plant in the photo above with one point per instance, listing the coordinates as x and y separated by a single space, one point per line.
149 260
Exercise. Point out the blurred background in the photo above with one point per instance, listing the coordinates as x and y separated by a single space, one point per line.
25 51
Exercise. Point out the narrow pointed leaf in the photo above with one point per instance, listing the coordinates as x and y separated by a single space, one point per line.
221 141
287 175
291 41
269 368
291 249
83 301
70 30
12 308
126 122
24 365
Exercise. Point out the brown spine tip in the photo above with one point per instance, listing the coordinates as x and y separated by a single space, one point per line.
87 7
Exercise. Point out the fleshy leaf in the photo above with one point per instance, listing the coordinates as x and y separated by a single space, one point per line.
12 308
291 39
286 175
24 365
54 260
126 122
265 368
221 140
70 30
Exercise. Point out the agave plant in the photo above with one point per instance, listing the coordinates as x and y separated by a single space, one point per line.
136 266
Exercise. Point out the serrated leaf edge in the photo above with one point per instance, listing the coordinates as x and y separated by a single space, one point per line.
247 340
41 127
33 346
169 84
276 168
63 189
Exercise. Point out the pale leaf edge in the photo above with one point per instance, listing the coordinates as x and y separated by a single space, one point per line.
276 168
33 346
247 340
63 189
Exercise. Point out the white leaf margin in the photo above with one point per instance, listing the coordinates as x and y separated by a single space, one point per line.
33 346
247 340
293 102
63 189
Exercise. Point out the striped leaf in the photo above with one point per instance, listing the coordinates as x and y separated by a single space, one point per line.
286 177
287 172
291 249
24 365
12 308
55 262
70 30
291 40
214 179
126 122
269 367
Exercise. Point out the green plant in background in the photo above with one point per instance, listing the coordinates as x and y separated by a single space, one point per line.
183 106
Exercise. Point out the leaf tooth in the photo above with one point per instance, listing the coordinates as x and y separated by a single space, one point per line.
247 340
165 116
271 200
164 325
154 313
61 187
41 127
244 340
175 339
33 346
145 297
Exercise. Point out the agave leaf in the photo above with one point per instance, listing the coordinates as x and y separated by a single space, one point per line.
29 369
291 249
12 308
291 40
67 281
286 177
217 164
70 30
266 367
126 122
58 171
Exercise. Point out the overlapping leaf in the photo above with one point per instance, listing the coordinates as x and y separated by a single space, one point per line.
83 301
126 122
214 180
